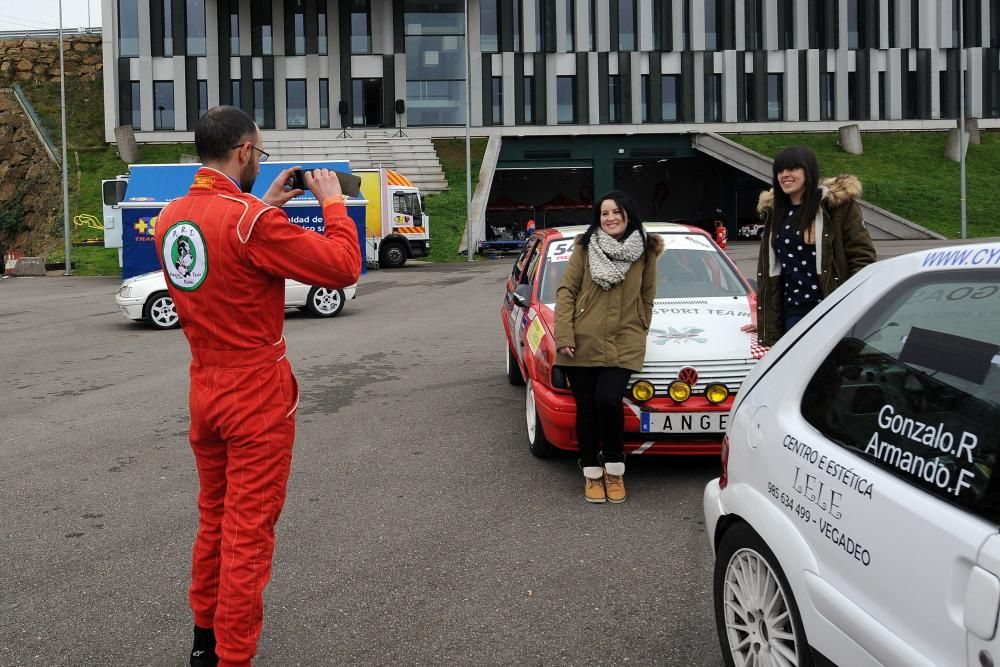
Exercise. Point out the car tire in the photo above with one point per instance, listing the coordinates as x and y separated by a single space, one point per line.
160 312
537 443
392 255
745 564
513 370
325 302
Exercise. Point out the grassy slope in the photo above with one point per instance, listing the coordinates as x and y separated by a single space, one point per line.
447 210
90 161
907 173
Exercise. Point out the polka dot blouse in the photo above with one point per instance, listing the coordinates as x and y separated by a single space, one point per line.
798 264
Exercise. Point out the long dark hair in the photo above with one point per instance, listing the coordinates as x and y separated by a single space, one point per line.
624 203
797 157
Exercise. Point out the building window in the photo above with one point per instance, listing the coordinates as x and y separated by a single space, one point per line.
324 103
994 104
488 26
644 97
128 28
755 24
570 27
497 97
711 25
234 93
946 96
775 97
163 105
566 99
168 28
529 99
827 96
361 26
196 31
202 97
136 118
295 31
852 97
295 103
883 103
234 28
516 27
322 39
713 99
670 91
626 25
614 98
262 43
263 102
435 66
853 8
911 106
787 27
748 101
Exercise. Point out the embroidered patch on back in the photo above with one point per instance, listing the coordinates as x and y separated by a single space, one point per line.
185 255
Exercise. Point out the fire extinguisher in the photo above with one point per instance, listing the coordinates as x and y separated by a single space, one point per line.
720 230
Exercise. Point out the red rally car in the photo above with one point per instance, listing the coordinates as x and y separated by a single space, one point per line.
696 355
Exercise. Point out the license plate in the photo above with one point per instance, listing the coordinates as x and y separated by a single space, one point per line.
683 422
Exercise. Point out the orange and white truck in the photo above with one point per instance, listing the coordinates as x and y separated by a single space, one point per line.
397 227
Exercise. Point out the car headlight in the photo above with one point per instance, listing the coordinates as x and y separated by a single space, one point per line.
125 291
642 391
679 390
716 393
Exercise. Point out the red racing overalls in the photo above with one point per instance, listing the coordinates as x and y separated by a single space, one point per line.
226 255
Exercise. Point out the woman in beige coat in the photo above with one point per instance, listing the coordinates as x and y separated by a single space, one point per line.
603 309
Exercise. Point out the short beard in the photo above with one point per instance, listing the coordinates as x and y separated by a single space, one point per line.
247 178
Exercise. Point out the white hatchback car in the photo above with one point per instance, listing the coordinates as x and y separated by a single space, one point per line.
856 518
145 297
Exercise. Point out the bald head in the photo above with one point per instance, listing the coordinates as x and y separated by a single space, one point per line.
219 130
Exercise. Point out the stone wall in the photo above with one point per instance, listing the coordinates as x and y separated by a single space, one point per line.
27 60
30 184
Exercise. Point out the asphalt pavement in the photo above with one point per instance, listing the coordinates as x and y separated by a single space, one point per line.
418 528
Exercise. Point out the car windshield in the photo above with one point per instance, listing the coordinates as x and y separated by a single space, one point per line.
690 266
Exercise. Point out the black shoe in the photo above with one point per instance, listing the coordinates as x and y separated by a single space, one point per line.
203 651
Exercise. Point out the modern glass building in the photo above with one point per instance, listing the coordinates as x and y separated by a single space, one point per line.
552 67
587 94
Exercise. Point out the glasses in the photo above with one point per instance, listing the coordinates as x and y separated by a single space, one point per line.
263 154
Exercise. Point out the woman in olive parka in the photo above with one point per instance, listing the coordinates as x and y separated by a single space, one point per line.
814 240
604 305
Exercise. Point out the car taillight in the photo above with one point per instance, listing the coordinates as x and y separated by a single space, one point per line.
724 456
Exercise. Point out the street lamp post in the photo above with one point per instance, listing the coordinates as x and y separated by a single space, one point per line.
961 112
67 271
468 139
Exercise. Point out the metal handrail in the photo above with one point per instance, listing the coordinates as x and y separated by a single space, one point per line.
35 121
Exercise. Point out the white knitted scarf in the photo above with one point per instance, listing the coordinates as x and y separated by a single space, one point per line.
610 259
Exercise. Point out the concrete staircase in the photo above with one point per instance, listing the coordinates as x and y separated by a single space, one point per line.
414 157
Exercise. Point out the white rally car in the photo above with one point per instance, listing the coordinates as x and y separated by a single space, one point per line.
145 297
856 520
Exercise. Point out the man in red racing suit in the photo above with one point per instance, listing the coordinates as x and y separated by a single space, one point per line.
226 255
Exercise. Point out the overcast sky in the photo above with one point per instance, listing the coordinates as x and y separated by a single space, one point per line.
44 14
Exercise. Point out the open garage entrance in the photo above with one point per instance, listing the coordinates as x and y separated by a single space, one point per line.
550 197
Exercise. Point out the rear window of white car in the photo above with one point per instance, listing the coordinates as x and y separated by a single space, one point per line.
914 387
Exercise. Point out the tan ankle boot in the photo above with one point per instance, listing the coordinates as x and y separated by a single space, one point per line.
593 484
614 482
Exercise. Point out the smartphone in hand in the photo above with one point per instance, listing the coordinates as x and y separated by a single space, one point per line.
299 180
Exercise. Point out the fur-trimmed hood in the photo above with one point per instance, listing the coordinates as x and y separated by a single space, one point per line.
654 243
837 190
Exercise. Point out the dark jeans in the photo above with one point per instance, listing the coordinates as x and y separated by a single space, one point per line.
793 314
599 417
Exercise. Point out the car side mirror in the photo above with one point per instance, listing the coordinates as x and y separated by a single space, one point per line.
522 295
